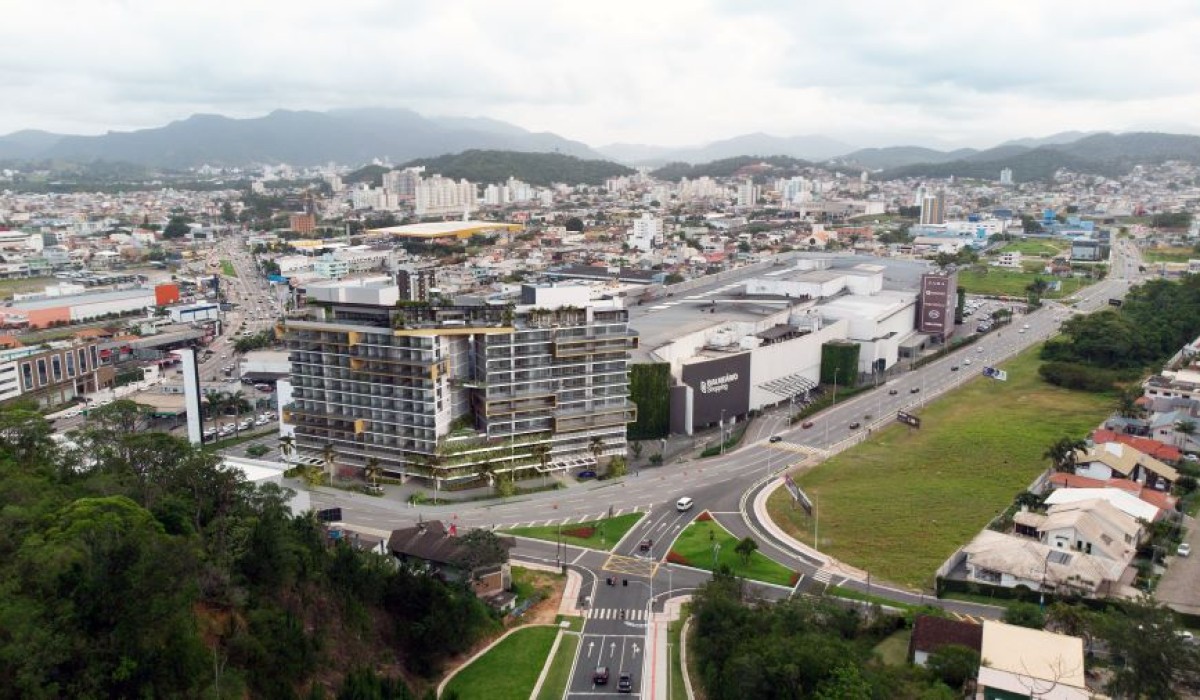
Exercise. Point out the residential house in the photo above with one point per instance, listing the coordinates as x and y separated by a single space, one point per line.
1019 662
1163 501
1166 427
931 633
1009 561
1115 459
1155 448
1094 526
438 549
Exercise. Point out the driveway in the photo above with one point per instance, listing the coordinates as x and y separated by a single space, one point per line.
1177 588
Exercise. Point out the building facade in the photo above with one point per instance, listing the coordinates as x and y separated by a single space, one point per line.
453 393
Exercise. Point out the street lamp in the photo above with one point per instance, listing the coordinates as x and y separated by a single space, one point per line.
835 376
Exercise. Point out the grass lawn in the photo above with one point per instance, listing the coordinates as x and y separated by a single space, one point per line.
1169 254
227 269
597 534
1003 282
899 504
893 650
509 670
530 582
695 548
21 286
559 674
674 630
1035 248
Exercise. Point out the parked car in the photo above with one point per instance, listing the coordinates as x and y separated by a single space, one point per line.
587 474
684 504
967 361
264 387
1184 550
600 675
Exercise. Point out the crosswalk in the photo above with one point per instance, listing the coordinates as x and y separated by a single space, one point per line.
793 447
632 614
579 519
823 577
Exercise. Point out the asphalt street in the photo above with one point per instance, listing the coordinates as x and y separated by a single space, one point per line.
614 633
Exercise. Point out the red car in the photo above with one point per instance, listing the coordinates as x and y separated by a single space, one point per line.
806 424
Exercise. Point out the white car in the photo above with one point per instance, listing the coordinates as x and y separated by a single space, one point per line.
684 504
967 361
1184 550
979 350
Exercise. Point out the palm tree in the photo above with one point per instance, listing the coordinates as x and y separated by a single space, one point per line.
1186 428
597 447
1127 403
216 405
287 444
237 401
372 471
542 452
486 470
327 454
1063 453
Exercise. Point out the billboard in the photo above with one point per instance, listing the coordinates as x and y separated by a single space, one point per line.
719 385
938 296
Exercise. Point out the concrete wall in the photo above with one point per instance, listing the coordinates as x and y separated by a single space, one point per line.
799 356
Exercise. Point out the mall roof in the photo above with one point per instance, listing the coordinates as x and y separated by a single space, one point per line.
445 229
85 298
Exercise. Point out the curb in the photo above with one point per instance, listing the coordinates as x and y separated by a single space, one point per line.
683 667
537 687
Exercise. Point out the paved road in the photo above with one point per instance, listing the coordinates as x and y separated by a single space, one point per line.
724 485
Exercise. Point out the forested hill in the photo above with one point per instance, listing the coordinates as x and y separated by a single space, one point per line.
728 167
534 168
134 566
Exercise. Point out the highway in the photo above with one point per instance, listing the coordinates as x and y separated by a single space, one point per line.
725 486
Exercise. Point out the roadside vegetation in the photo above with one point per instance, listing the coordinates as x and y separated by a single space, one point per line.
899 504
596 534
706 545
228 269
509 670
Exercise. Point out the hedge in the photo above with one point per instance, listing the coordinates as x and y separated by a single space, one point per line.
650 389
839 363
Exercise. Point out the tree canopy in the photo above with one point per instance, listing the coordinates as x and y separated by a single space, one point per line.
133 565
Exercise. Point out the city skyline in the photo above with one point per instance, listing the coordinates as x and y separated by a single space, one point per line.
869 74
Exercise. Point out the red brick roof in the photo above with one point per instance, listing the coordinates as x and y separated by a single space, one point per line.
1155 448
931 633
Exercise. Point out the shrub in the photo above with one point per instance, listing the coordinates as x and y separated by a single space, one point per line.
257 450
674 557
704 517
582 533
1075 376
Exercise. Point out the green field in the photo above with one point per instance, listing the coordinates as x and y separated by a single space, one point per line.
559 674
893 650
23 285
1034 248
509 670
899 504
597 534
694 547
1169 254
1002 282
227 269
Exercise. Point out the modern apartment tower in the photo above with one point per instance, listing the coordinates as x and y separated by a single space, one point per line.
933 209
452 393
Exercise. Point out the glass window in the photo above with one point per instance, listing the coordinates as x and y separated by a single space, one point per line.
83 364
27 375
56 367
70 358
43 379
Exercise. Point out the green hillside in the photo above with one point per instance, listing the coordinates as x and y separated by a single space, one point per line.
534 168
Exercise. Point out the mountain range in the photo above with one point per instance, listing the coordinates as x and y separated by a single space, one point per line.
359 136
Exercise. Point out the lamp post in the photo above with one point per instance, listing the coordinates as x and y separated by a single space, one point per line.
722 424
835 376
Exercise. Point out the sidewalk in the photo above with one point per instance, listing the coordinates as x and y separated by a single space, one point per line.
829 564
656 666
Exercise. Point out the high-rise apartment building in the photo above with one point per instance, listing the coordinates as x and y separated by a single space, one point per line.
933 209
416 283
748 193
1006 176
450 393
437 196
402 184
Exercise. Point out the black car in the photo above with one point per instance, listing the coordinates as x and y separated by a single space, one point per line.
775 438
625 683
954 368
914 390
600 676
892 392
855 425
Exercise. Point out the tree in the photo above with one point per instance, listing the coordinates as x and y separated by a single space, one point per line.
215 400
596 446
954 664
1064 452
1150 657
617 467
1025 615
541 452
177 227
1128 403
574 225
746 548
328 455
636 448
287 445
487 471
372 471
1185 428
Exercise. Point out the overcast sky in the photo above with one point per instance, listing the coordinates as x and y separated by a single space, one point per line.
868 72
